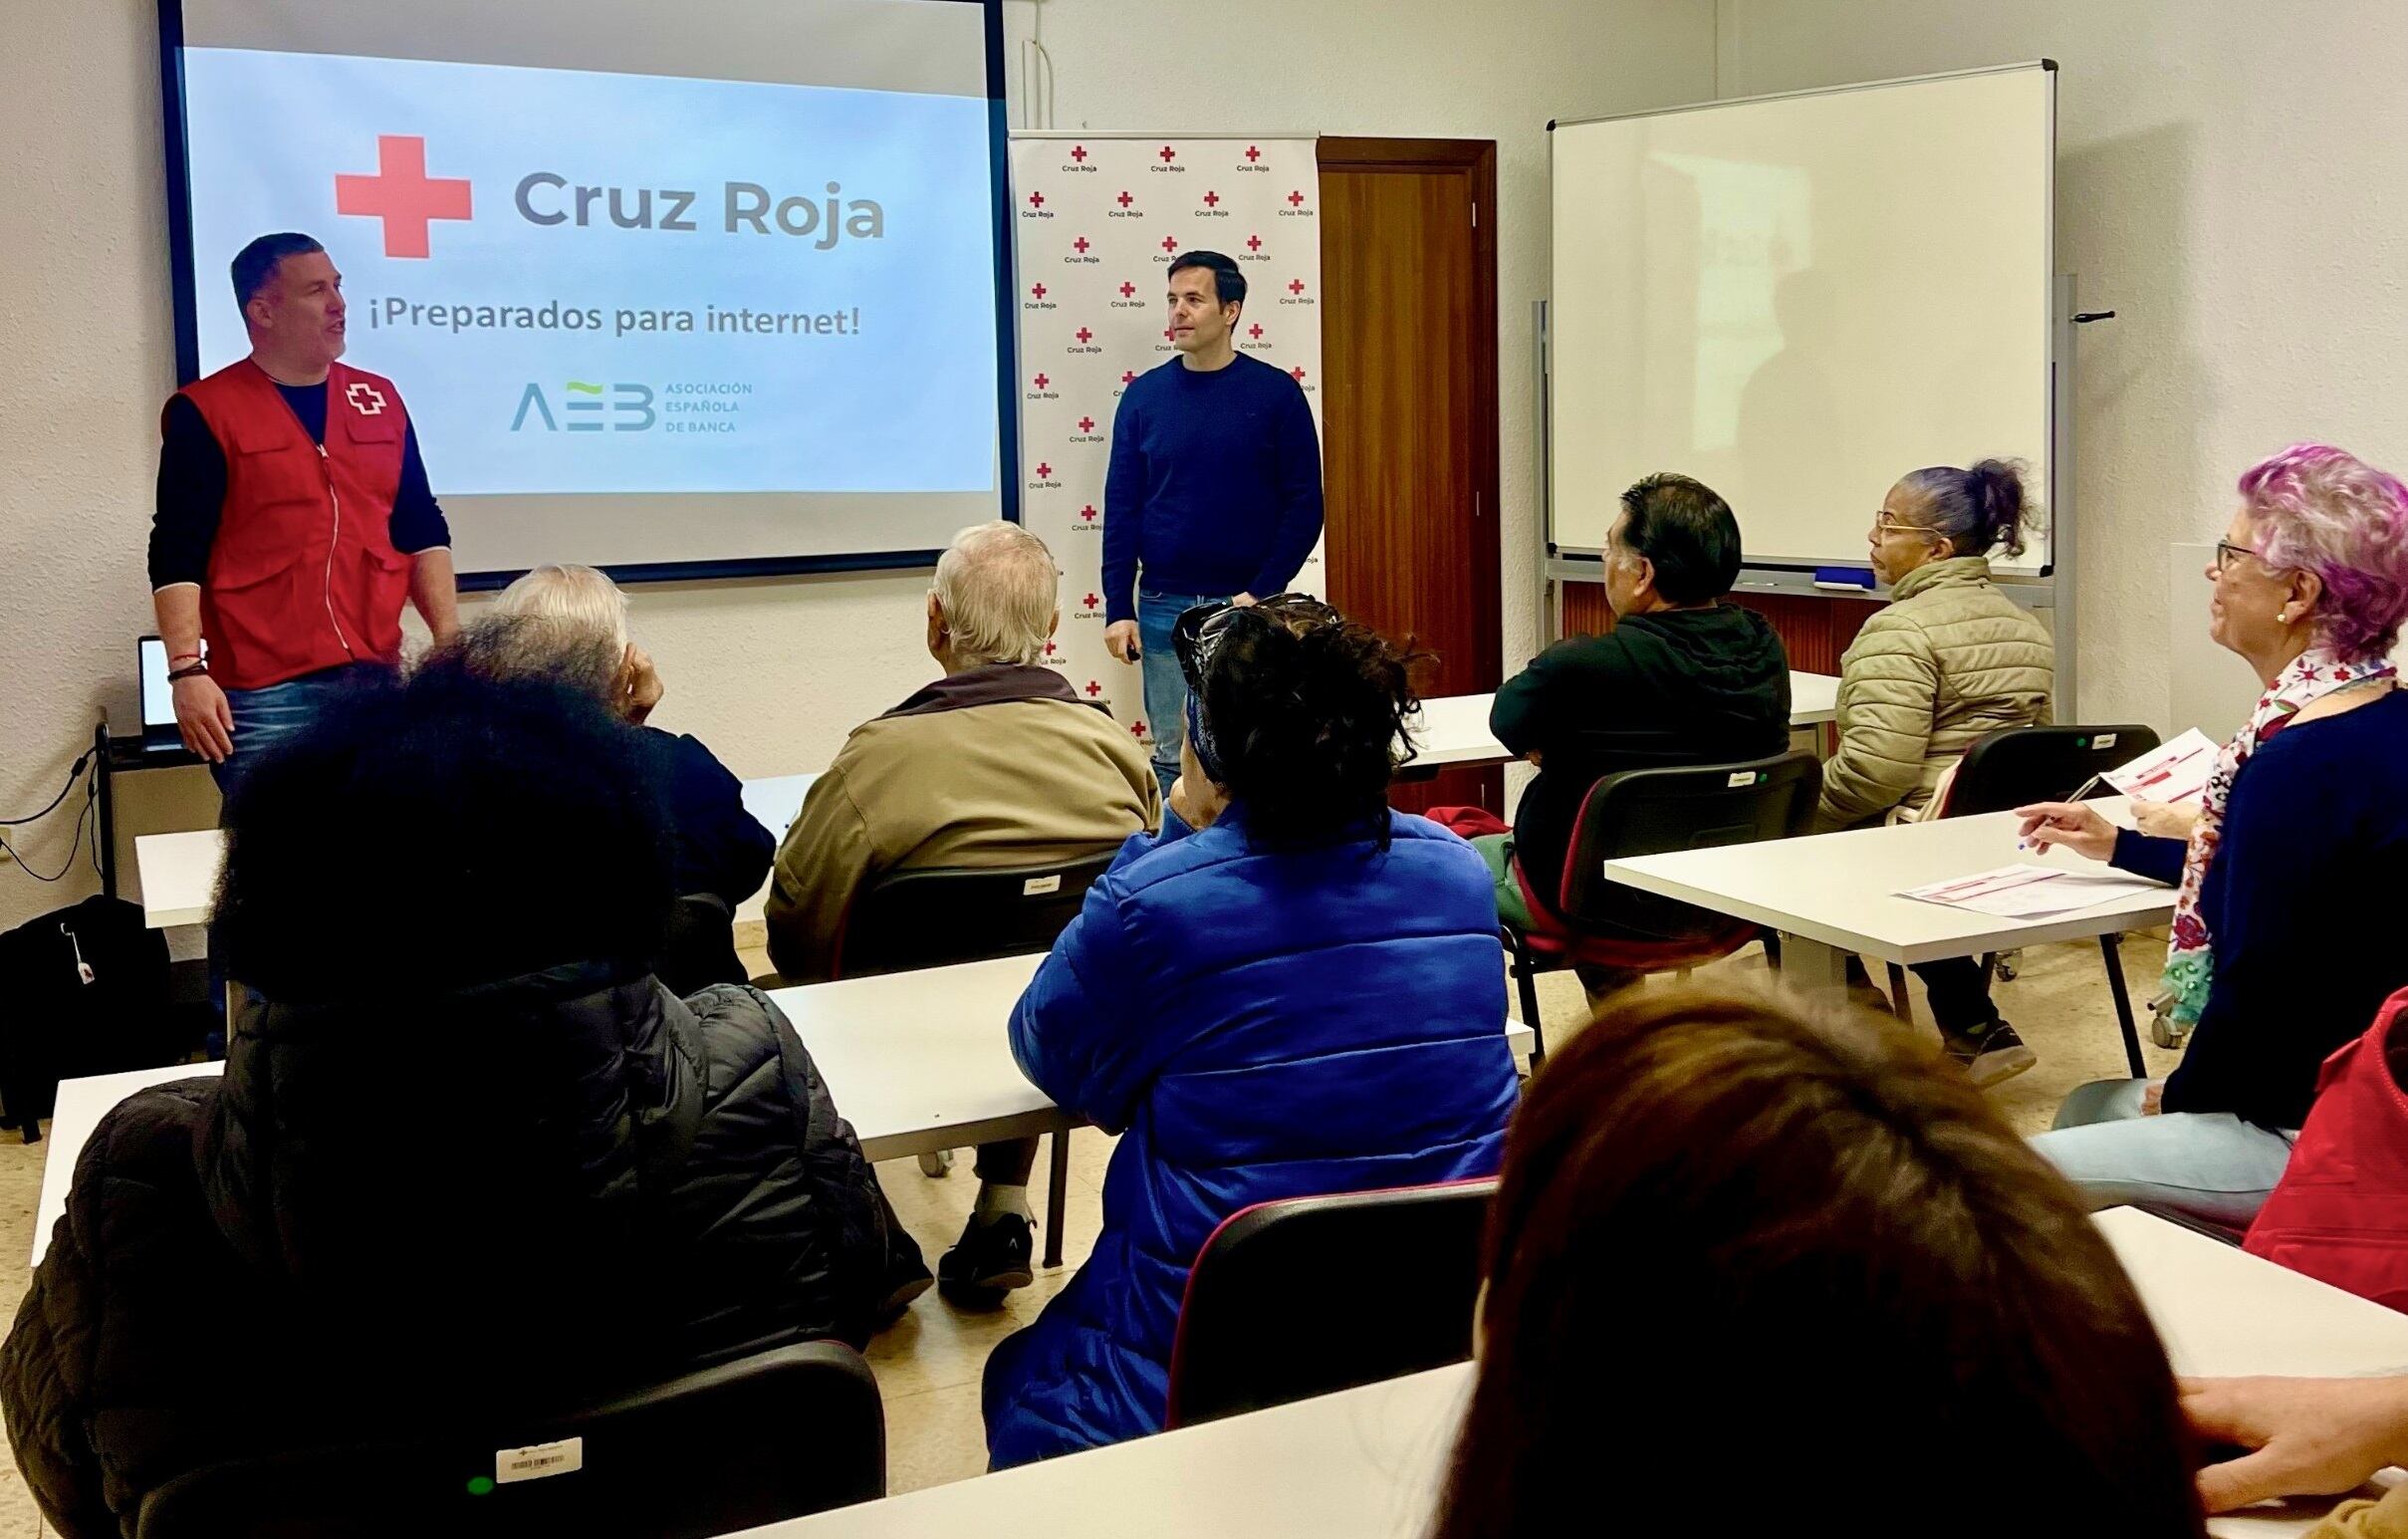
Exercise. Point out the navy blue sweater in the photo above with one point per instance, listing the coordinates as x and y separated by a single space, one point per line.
1215 484
2300 904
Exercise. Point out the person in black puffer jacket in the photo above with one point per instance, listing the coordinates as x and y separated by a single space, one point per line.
466 1151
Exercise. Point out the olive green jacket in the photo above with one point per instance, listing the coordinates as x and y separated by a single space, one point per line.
1950 659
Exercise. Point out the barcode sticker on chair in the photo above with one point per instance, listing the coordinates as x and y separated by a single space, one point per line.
537 1460
2104 740
1741 778
1038 886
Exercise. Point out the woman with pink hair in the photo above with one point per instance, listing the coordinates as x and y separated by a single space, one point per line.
2281 952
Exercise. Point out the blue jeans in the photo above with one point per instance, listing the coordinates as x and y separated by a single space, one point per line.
266 718
2209 1165
1165 685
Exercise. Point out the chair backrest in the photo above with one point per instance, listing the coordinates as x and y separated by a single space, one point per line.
1657 811
942 915
1311 1295
2016 765
701 946
777 1436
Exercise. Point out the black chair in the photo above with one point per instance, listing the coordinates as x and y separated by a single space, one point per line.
936 917
2015 766
1277 1309
700 948
943 916
1652 812
778 1436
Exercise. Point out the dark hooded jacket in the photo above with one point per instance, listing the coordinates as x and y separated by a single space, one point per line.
1677 687
533 1191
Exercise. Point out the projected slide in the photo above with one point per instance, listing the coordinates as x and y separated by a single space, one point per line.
639 316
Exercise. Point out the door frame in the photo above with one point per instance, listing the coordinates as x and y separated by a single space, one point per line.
1477 157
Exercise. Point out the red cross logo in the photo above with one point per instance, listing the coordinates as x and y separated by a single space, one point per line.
1254 331
1089 513
1128 376
1042 381
1300 375
1092 601
1252 155
1212 199
1169 154
1051 649
1080 245
1079 154
401 194
1124 200
1169 243
1168 335
1086 425
1254 242
1296 284
1296 200
1094 689
1036 200
1084 336
1038 291
1044 471
366 398
1137 729
1127 290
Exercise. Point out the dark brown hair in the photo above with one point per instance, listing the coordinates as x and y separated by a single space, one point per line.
1742 1246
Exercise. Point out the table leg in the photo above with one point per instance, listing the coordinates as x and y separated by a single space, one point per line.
1812 969
1056 1200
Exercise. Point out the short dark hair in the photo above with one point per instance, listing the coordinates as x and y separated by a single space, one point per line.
1306 708
508 827
255 264
1688 532
1710 1188
1228 284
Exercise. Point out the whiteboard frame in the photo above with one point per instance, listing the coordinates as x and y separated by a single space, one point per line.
2040 591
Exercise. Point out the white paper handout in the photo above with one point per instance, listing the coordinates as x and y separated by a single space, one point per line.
2175 772
2029 892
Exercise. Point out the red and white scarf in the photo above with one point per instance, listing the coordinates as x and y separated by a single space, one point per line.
2190 960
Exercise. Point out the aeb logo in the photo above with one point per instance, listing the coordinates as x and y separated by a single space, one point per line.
408 203
585 408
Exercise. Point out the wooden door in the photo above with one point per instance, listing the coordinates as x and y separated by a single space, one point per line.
1409 412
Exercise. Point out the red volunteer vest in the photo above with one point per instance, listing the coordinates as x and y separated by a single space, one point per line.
302 574
2340 1212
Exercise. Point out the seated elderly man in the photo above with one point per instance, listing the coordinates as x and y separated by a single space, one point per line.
999 763
569 624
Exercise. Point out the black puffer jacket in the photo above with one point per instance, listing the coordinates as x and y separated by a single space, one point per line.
533 1192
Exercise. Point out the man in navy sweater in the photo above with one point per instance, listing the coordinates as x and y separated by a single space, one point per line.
1214 491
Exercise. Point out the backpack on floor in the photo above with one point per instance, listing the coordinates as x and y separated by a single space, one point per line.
82 991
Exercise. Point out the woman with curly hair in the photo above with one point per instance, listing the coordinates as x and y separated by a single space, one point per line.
1289 991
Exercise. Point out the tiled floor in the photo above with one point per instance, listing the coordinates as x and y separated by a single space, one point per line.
928 1364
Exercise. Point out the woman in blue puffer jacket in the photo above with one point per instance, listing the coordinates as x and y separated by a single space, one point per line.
1289 991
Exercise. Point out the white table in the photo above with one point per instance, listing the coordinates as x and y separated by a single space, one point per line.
1832 894
1453 729
1365 1464
917 1062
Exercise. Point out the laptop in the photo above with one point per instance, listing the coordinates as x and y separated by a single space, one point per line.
159 734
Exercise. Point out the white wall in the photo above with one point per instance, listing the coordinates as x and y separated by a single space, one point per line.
771 674
2228 182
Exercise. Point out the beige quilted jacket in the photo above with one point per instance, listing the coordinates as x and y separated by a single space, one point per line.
1948 661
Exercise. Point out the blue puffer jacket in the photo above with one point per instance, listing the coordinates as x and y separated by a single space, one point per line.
1255 1026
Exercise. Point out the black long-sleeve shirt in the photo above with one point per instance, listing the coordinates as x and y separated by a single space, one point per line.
192 489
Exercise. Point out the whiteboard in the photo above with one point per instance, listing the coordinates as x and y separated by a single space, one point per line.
1798 299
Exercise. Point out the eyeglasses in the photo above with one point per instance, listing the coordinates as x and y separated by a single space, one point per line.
1884 523
1198 631
2226 550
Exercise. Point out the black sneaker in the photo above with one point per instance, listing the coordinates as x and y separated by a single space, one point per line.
988 1261
1990 1054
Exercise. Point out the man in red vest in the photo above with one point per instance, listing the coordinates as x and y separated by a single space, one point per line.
294 517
